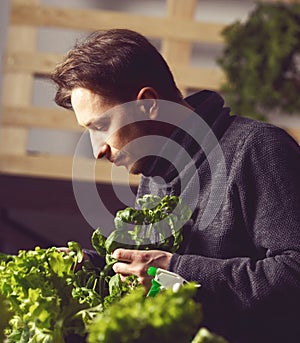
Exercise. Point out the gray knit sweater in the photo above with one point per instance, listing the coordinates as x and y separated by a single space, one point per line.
243 242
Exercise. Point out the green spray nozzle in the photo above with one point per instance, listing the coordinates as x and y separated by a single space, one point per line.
155 286
152 271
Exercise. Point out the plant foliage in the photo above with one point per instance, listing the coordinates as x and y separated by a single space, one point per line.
45 294
136 319
157 224
261 60
51 300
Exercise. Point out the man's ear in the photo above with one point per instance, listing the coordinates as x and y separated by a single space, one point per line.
148 99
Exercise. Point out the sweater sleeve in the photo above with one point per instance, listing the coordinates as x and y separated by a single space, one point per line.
97 260
267 183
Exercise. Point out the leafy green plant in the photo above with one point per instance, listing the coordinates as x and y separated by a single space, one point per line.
261 61
157 224
166 318
45 294
51 298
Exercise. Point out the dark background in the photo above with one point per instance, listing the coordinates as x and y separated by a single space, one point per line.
43 212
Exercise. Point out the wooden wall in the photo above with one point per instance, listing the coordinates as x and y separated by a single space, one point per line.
177 30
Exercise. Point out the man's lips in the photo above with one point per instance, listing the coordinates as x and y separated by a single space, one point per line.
120 159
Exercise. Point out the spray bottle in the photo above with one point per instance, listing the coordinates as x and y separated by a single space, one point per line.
164 279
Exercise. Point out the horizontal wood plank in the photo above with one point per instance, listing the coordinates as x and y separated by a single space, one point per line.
32 62
13 140
198 77
40 117
185 75
89 20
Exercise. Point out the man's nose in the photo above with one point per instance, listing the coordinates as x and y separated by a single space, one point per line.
98 144
103 151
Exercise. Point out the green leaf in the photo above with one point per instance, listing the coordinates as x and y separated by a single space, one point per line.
118 239
204 336
148 201
76 248
98 242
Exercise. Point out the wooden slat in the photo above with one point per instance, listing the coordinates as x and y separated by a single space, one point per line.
186 76
60 167
17 88
90 20
32 62
42 117
198 77
175 50
13 140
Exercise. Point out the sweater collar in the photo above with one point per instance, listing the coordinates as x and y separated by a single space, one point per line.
209 106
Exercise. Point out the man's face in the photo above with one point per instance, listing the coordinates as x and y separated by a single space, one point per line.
113 129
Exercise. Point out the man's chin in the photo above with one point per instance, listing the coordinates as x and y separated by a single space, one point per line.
142 166
134 170
139 167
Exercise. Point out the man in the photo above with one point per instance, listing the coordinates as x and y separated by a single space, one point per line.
242 182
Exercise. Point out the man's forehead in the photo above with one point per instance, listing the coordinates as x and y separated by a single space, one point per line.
85 97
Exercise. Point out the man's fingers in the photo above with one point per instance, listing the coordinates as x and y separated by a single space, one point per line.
143 280
130 269
123 277
122 268
125 255
136 256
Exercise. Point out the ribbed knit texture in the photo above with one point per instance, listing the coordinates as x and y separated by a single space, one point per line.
247 258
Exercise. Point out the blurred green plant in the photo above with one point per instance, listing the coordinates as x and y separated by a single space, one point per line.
166 318
261 61
5 315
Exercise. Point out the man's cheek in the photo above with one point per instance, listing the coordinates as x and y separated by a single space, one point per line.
118 140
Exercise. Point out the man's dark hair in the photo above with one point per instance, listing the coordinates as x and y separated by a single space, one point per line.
115 64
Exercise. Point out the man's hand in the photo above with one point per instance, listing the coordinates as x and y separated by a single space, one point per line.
137 262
